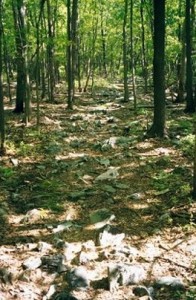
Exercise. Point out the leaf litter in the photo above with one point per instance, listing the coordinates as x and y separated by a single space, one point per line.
52 183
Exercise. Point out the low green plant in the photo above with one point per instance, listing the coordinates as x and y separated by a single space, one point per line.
186 145
6 172
25 149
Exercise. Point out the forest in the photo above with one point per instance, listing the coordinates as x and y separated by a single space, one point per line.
97 150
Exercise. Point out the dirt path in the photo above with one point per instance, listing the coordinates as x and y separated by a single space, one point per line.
56 172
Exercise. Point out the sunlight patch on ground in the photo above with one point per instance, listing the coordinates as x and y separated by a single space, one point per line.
159 151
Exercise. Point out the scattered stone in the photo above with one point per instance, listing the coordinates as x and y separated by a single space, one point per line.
110 237
53 262
14 161
30 247
5 276
63 227
125 274
88 252
111 174
71 249
100 224
32 263
191 249
136 196
150 251
112 141
87 179
86 256
50 293
145 298
78 278
43 247
169 281
33 216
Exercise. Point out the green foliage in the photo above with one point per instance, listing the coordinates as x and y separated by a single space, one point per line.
25 149
186 145
6 172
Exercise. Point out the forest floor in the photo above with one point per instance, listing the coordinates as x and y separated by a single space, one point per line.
51 178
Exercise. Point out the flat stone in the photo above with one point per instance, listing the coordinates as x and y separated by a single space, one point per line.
110 174
136 196
169 281
32 263
125 274
110 237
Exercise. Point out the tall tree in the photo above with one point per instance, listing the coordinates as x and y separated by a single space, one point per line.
144 61
19 11
51 19
72 17
2 119
158 126
190 102
132 56
125 60
181 67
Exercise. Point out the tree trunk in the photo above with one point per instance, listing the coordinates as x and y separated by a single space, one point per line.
132 57
20 37
190 103
50 53
181 68
2 119
158 126
74 20
72 17
194 162
69 57
39 21
103 41
125 62
144 63
6 63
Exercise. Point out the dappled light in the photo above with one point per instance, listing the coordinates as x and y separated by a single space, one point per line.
97 150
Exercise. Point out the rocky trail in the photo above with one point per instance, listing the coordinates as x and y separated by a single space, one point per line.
91 210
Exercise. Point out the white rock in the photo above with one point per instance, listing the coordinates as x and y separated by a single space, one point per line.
110 174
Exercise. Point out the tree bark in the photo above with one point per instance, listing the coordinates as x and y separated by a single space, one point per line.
20 37
2 118
72 17
50 53
190 103
144 62
125 62
69 57
132 57
158 126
